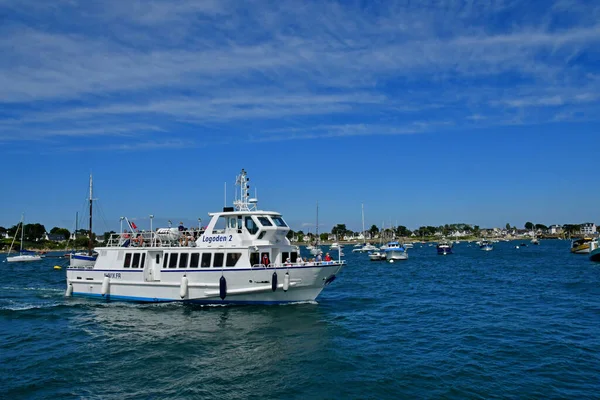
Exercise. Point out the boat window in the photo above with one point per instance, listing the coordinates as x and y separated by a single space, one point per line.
194 260
232 259
158 258
284 256
239 224
173 260
183 258
205 260
166 260
218 260
251 226
127 261
143 260
295 256
262 235
136 260
264 221
279 221
220 225
254 259
233 222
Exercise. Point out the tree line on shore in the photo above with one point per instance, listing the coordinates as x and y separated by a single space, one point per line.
34 234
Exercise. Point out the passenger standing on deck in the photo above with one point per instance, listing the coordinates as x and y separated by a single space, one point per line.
265 259
327 257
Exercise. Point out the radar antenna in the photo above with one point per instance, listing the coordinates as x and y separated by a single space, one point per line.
244 202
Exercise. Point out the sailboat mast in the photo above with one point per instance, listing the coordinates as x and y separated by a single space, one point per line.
363 222
90 231
22 229
318 239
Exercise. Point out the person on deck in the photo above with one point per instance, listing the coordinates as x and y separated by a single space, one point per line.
265 259
328 257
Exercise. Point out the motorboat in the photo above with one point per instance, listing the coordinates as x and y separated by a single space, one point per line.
486 245
595 251
242 257
377 255
24 255
581 245
443 248
395 252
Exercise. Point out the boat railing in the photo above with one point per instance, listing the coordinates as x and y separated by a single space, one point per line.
302 264
170 238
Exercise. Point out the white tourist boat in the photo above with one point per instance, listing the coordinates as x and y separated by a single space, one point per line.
242 257
395 252
24 255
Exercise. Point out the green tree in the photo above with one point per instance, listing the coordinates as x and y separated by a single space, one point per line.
60 231
541 226
507 226
374 230
339 230
323 237
106 236
528 225
476 230
402 231
34 232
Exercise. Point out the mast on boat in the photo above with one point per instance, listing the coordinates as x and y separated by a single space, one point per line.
90 231
363 224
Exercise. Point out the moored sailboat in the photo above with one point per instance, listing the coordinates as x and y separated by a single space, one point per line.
24 255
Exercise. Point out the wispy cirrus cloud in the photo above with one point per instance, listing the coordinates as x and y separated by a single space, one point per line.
149 69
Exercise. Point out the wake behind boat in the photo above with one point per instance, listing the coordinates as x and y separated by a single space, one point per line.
243 257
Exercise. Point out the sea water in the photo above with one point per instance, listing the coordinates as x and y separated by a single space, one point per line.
509 323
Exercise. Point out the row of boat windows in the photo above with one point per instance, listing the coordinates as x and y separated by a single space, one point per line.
185 260
202 260
249 223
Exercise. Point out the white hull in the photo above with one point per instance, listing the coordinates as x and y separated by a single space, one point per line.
23 258
79 260
244 286
396 255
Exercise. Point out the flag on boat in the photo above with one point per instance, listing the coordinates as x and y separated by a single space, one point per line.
133 225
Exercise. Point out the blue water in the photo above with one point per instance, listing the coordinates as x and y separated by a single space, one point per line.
510 323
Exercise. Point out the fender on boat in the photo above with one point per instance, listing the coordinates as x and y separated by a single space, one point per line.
274 281
105 286
183 290
69 291
286 281
222 288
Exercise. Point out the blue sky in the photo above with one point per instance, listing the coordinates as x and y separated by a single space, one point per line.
428 112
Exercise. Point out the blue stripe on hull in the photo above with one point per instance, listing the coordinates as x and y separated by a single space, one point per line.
155 300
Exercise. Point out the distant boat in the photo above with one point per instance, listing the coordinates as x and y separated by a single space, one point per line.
85 259
595 251
395 252
444 248
24 255
377 255
581 245
486 245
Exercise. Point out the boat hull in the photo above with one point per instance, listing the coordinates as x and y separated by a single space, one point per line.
81 260
582 249
396 255
595 255
442 251
243 286
23 258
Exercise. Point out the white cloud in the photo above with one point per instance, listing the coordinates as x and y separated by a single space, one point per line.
143 68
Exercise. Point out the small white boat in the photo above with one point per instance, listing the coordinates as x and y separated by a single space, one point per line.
395 252
242 257
24 255
581 245
486 245
377 255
